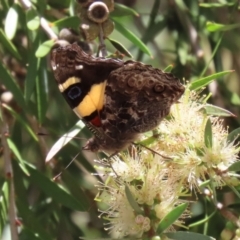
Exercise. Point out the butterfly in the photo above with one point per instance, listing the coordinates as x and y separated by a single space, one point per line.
117 100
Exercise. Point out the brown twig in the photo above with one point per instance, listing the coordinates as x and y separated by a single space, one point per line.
9 175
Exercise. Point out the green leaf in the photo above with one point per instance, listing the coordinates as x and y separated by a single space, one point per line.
235 99
33 20
4 205
27 234
68 22
216 27
217 111
214 52
216 5
54 191
44 48
168 68
200 83
121 10
204 184
17 154
208 134
41 91
233 135
132 201
187 236
65 139
11 22
120 47
131 37
235 167
149 140
171 217
75 190
8 45
11 85
32 70
59 4
22 120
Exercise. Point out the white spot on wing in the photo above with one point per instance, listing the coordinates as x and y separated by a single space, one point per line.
79 67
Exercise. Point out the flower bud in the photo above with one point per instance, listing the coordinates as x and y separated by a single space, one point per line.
98 12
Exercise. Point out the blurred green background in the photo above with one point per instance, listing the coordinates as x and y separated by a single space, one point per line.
198 38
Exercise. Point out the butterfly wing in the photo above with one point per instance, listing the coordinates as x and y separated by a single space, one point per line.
138 97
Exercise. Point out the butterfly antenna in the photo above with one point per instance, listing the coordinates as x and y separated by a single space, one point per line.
151 150
57 176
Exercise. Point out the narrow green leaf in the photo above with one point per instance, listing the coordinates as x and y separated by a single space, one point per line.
17 154
44 48
206 218
27 212
121 10
8 45
69 22
66 138
187 236
23 121
132 201
171 217
131 37
168 68
5 5
75 190
200 83
33 20
217 111
214 52
235 167
4 203
208 134
59 4
32 70
233 135
216 5
148 140
42 91
120 47
216 27
11 22
54 191
25 232
235 99
204 184
4 200
11 85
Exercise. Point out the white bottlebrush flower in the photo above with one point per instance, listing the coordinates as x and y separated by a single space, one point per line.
146 190
123 220
156 181
183 139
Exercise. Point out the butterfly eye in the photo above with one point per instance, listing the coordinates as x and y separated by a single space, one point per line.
159 88
74 92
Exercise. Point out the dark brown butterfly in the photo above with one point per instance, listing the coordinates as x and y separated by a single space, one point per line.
117 100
